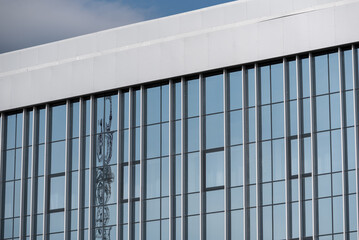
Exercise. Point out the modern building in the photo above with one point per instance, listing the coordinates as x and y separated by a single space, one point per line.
238 121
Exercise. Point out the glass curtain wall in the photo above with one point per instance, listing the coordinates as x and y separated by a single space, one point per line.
264 151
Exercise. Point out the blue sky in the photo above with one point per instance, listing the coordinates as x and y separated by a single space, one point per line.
26 23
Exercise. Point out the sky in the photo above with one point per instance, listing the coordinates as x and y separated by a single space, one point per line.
26 23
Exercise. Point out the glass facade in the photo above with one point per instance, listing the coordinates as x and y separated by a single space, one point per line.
261 151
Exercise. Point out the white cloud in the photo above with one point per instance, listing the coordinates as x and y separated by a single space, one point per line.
25 23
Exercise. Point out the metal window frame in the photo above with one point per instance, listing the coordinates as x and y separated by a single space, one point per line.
46 171
33 170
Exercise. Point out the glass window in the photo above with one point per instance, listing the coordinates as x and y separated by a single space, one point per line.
153 104
348 72
252 163
323 155
56 222
264 85
214 131
153 230
193 228
250 87
153 209
213 94
237 224
349 109
278 159
324 185
279 221
350 148
152 141
236 161
164 176
267 223
193 204
214 226
322 112
10 131
304 64
57 192
324 216
235 90
335 110
192 134
215 201
236 197
58 123
266 161
292 79
235 126
279 192
321 74
294 157
19 129
164 139
293 118
251 125
307 218
306 115
57 161
334 72
265 127
214 169
193 172
278 120
337 214
336 150
294 208
277 82
192 98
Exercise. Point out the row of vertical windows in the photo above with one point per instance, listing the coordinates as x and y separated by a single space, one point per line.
188 156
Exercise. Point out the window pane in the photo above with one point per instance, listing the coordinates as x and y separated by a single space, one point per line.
237 224
265 128
214 169
152 141
323 157
153 104
279 221
215 226
293 118
214 201
278 159
192 134
325 216
334 72
193 172
292 79
264 85
321 74
348 72
322 107
235 90
335 110
278 120
58 122
250 87
214 131
236 161
57 192
235 126
277 82
306 116
57 161
192 98
193 228
153 230
56 222
213 94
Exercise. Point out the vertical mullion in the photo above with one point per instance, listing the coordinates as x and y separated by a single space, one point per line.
245 154
299 145
67 170
142 166
256 126
46 170
91 171
183 165
119 154
201 146
80 171
355 78
2 129
33 171
130 146
343 142
171 163
226 158
313 147
286 149
23 170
